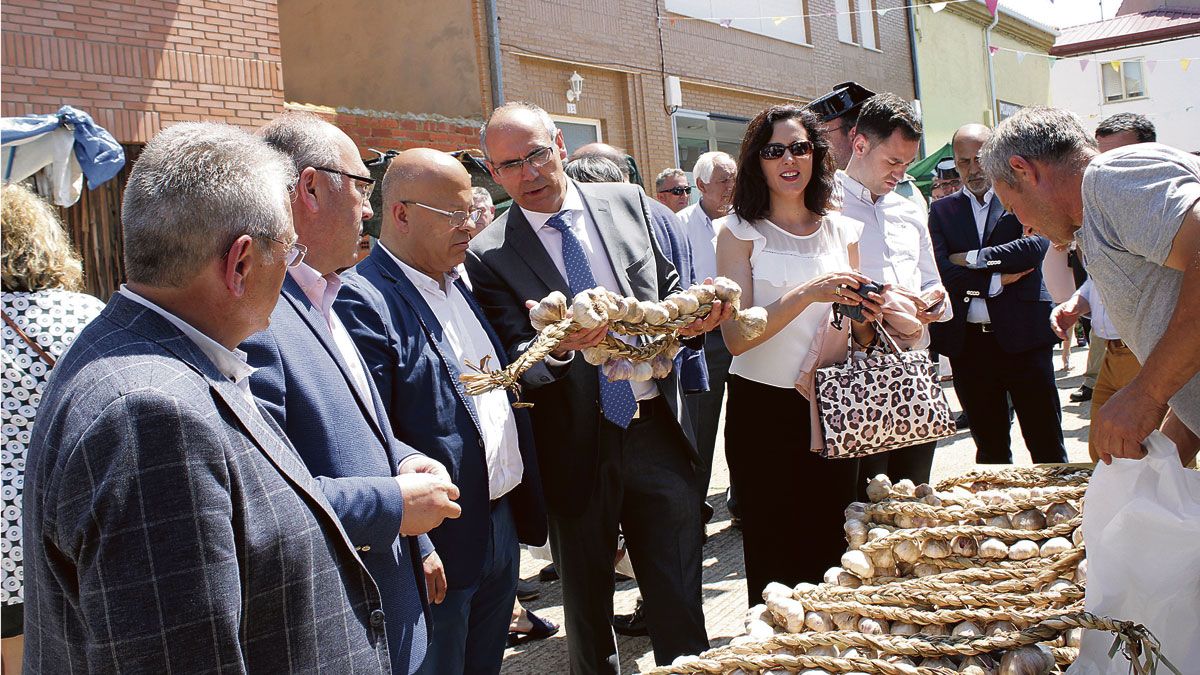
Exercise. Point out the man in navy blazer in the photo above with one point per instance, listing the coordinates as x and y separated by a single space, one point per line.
314 383
418 327
999 341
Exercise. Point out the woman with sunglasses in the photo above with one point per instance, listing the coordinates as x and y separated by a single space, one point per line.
792 257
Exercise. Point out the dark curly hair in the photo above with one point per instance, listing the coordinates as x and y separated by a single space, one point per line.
751 198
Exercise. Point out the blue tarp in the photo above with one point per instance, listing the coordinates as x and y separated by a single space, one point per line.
100 156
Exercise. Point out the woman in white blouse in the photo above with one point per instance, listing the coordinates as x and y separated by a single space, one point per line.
791 256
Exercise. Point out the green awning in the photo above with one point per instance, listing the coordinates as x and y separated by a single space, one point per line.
922 171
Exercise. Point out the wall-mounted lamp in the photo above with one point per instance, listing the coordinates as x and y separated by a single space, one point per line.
576 90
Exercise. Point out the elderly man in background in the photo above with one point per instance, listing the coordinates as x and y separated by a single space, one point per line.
169 524
420 330
999 341
894 248
945 180
612 453
1135 212
671 189
315 384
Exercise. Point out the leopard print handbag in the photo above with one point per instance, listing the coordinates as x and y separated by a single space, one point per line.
889 399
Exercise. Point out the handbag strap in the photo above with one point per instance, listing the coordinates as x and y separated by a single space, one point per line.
29 341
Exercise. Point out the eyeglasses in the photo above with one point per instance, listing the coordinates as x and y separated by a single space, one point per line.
295 252
775 150
678 191
368 182
457 218
537 159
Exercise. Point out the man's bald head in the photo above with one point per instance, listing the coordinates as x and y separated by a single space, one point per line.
518 116
609 152
421 189
965 143
415 173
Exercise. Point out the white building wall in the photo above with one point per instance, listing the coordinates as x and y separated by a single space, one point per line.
1172 98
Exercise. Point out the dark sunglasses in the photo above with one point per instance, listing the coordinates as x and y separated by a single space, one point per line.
678 191
775 150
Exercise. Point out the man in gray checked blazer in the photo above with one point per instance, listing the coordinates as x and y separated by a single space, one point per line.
169 526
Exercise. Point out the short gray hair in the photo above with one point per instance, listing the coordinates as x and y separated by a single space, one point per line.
481 193
542 116
1037 133
306 139
197 187
594 169
705 164
666 174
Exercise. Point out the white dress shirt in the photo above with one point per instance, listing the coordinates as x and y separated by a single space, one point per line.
230 363
895 247
1102 326
602 269
470 342
702 235
977 311
321 291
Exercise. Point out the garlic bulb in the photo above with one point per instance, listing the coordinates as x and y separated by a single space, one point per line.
1018 493
1077 536
585 312
822 650
830 577
759 630
1057 514
848 580
1073 637
858 563
923 490
802 588
552 309
773 591
905 521
653 313
882 560
1001 520
926 569
856 511
635 313
818 622
671 307
757 613
856 533
792 614
872 626
964 546
1029 519
966 629
727 291
1054 546
596 355
643 371
980 664
660 366
751 322
993 549
878 488
935 548
904 629
1023 550
904 487
1081 572
876 533
907 551
1000 627
845 621
617 369
939 662
687 302
704 293
933 629
1031 660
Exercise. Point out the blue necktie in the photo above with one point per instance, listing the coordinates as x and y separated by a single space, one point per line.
616 398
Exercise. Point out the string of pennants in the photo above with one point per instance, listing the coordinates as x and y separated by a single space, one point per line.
1115 64
727 21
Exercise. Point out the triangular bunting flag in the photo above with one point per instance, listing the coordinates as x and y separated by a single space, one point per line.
881 12
725 23
1083 64
1151 65
1115 65
991 5
779 19
937 6
1021 57
993 49
1184 63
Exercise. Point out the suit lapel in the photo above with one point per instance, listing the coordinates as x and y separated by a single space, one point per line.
616 243
995 210
525 248
299 302
432 328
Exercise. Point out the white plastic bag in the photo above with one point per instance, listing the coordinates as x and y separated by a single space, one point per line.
1141 527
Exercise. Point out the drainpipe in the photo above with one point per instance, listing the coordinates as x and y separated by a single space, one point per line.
916 71
495 69
987 40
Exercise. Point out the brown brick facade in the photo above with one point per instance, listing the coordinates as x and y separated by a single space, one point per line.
399 131
139 66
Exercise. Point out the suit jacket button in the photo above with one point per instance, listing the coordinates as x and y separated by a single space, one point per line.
481 441
377 618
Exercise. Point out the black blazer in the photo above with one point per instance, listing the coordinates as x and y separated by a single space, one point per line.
508 265
1020 315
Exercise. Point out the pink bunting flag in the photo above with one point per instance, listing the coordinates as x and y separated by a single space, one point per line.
991 5
725 23
993 49
1151 65
1083 64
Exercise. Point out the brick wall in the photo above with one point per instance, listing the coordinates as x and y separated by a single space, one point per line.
399 131
139 66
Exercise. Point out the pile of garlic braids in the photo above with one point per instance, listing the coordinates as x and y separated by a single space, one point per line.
555 319
922 590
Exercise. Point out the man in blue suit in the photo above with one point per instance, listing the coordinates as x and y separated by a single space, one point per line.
418 327
313 381
999 340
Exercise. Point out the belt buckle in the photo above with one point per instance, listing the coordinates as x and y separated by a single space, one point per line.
637 411
985 327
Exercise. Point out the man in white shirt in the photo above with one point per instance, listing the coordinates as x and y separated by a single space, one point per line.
894 248
715 174
420 329
999 341
313 381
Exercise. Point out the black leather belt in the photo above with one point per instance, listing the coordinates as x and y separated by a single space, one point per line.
980 327
645 408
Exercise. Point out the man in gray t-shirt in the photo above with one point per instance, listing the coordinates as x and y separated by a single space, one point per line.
1135 212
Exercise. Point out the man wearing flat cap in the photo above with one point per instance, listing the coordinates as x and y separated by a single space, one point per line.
945 180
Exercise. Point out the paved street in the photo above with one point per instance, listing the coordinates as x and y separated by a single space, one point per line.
724 585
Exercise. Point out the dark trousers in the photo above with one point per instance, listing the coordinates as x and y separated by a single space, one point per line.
469 628
705 407
792 500
914 463
645 483
985 378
